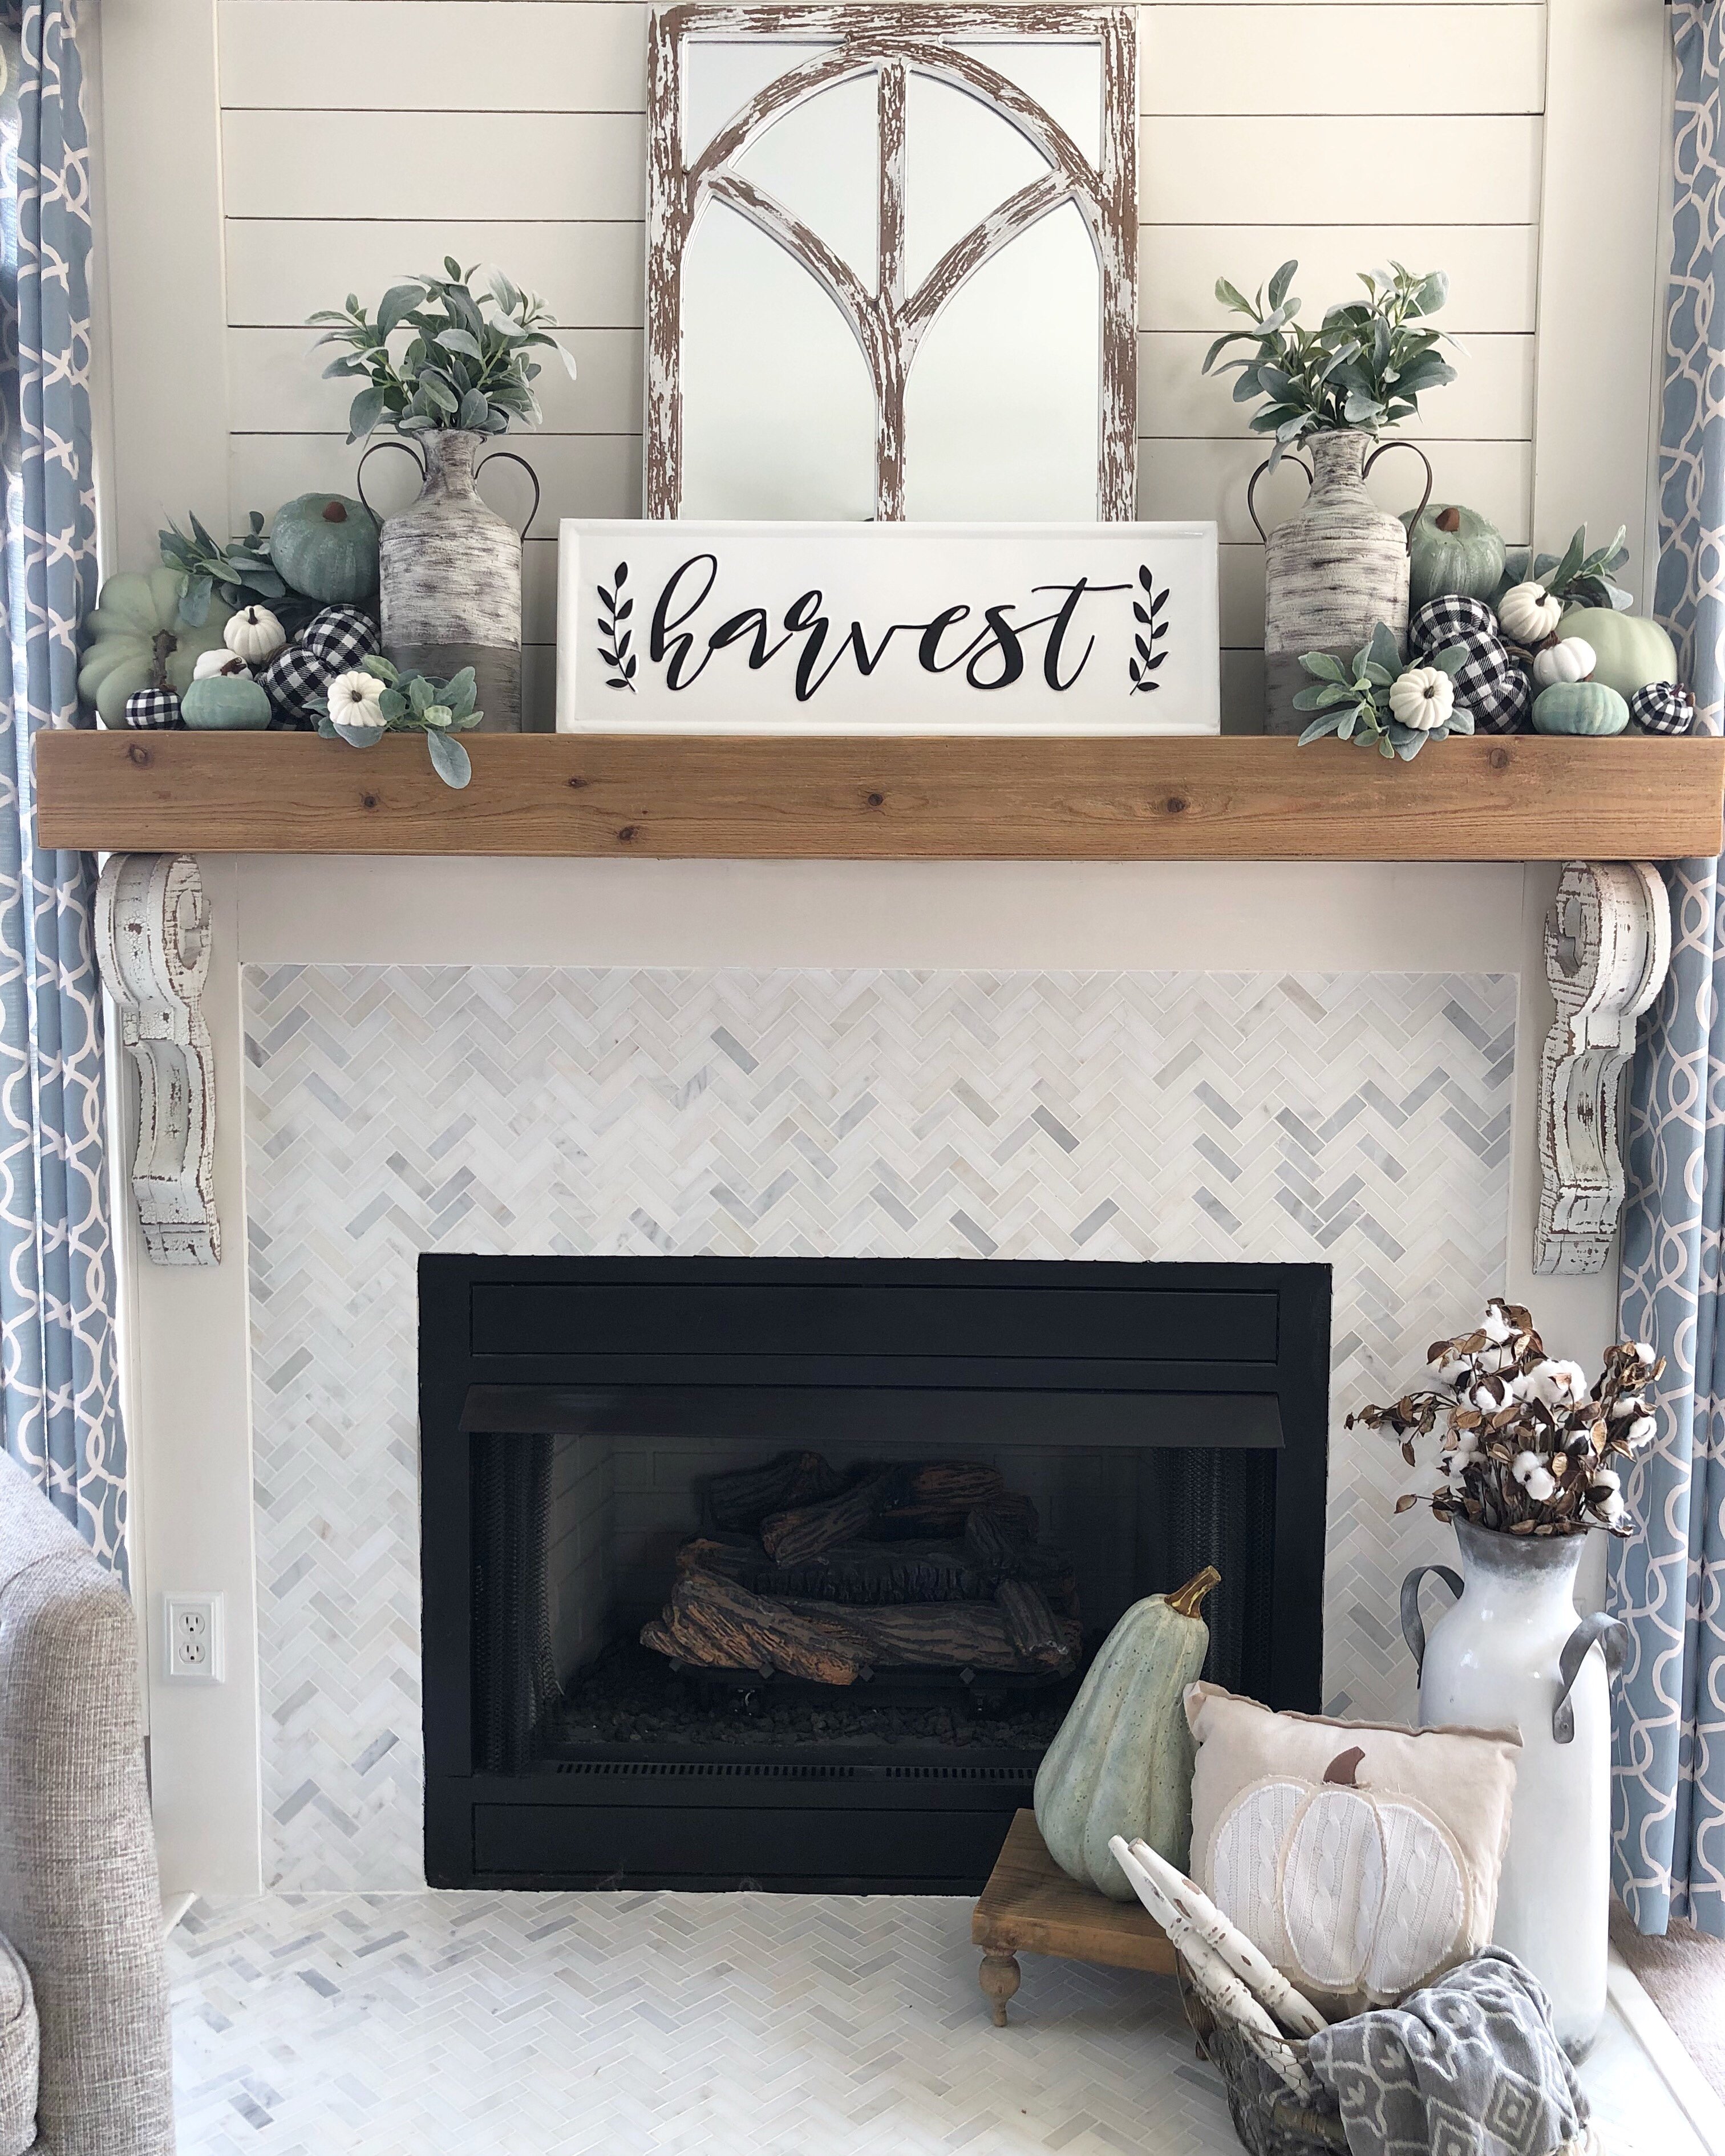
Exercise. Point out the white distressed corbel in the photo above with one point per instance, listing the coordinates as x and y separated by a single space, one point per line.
1608 945
153 945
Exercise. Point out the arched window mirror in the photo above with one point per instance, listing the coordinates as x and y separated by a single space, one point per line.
892 263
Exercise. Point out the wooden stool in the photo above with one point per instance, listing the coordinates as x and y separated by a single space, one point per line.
1030 1906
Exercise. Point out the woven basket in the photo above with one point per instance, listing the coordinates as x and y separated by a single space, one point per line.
1270 2119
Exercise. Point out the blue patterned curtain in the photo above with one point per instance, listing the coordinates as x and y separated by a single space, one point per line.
58 1388
1669 1735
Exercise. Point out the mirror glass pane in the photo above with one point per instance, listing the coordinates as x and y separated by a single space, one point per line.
1001 407
778 415
1064 78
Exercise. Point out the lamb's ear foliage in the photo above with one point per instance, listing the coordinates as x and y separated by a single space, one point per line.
1351 698
1366 365
469 361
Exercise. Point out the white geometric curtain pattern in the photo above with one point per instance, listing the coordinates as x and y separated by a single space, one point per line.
1668 1739
58 1392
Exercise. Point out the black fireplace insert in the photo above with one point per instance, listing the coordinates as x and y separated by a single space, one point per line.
782 1572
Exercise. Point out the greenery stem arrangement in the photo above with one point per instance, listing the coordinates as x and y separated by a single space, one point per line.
460 359
377 697
1365 366
1383 701
1525 1445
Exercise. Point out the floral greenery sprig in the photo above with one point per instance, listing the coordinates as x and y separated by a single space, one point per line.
379 697
460 367
1366 365
1525 1445
1381 700
239 572
1578 576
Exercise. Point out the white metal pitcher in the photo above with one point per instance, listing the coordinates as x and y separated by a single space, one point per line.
1513 1654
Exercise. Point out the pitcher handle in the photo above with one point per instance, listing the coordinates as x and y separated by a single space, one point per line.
1413 1624
1381 449
510 457
1611 1636
389 442
1252 488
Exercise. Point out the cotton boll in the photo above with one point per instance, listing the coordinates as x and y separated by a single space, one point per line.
1539 1486
1554 1385
1497 1327
1641 1432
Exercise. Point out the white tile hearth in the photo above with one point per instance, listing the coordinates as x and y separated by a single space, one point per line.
1361 1120
737 2025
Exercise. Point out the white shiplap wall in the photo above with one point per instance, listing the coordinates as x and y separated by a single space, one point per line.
513 132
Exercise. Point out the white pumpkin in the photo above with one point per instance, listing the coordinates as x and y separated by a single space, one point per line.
254 634
1571 659
1350 1893
1529 613
219 662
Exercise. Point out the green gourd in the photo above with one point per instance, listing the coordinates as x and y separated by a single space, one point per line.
325 545
1122 1760
226 703
1451 549
135 638
1580 707
1628 651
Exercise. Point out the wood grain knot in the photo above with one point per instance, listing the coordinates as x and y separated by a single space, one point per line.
628 832
367 800
1176 804
576 783
1499 759
875 800
139 755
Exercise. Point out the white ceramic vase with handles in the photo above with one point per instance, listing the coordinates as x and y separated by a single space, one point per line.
1514 1653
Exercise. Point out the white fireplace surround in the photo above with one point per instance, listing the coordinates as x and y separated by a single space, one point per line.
951 1059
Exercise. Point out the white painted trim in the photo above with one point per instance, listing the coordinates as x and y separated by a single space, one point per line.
1690 2089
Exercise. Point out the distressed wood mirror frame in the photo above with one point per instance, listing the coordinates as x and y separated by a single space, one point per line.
892 42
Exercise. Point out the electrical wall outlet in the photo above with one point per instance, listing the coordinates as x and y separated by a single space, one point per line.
192 1628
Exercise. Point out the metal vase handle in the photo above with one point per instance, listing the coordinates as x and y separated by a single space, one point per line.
389 442
1611 1636
508 456
1413 1624
1252 488
1384 450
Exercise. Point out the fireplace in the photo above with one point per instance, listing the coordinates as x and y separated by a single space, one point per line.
982 1464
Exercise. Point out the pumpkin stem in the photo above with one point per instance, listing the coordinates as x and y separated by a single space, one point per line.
1343 1769
334 513
1187 1599
163 646
1449 520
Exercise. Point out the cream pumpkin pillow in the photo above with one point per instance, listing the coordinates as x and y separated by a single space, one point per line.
1362 1860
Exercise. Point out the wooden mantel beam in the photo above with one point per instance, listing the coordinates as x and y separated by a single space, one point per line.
907 797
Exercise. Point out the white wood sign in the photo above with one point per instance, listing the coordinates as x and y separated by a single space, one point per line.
686 626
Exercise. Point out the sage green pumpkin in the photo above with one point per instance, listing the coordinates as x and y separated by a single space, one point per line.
1628 651
1580 707
226 703
1451 549
135 638
1122 1760
325 545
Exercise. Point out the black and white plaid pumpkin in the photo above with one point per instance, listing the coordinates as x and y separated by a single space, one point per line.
1492 683
153 707
1663 708
331 643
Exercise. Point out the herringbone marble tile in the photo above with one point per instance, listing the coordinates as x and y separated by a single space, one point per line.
662 2025
1362 1120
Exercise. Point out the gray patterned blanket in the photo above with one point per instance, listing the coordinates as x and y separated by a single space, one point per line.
1467 2067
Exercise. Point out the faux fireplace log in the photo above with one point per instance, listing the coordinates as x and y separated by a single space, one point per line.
805 1598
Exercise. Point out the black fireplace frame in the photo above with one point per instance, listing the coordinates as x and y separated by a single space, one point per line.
1153 1354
